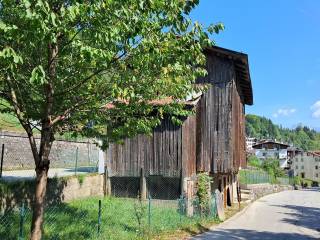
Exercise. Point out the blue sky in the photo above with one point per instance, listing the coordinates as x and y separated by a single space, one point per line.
282 39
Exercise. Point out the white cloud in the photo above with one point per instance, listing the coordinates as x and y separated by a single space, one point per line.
316 109
284 112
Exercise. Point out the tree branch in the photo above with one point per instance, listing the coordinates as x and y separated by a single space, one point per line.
24 122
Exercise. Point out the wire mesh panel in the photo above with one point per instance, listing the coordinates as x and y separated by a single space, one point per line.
103 218
66 158
167 188
15 223
125 186
257 176
284 180
254 177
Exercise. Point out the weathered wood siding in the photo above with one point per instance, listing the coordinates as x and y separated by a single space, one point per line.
213 140
220 124
162 154
238 130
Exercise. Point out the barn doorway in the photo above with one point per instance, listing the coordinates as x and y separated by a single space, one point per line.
220 185
225 192
228 197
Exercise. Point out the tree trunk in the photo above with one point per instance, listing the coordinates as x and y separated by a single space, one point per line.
39 203
47 137
42 167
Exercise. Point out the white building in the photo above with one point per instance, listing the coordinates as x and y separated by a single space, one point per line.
305 164
272 149
250 142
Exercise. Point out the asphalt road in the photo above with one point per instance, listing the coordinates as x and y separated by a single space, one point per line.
285 215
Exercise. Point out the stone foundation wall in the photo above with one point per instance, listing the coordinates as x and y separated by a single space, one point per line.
18 155
260 190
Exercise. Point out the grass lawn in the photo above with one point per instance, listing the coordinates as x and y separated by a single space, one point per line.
79 220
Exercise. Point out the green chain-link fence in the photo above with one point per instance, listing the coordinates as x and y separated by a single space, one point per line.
254 177
108 218
249 176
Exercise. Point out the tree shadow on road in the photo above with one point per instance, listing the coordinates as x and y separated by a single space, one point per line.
302 216
307 217
232 234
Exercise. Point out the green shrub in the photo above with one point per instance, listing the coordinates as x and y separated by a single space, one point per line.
203 193
297 180
81 178
254 161
272 167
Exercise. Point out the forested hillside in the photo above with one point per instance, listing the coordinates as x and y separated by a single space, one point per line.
301 136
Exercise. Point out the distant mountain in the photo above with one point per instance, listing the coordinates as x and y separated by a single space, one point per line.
301 136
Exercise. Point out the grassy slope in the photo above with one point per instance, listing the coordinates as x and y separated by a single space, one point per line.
10 123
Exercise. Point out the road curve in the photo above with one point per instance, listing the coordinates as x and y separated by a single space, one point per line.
286 215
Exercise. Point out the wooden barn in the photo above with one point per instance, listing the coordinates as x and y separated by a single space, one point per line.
213 140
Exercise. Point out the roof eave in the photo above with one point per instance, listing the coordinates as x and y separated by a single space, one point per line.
242 70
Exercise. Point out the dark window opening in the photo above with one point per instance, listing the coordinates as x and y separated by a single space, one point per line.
160 187
125 186
228 197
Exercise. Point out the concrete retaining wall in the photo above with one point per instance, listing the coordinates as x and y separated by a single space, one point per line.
59 190
75 188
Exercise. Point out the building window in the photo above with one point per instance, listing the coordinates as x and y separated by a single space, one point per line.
317 175
302 175
297 167
302 167
316 167
302 159
297 160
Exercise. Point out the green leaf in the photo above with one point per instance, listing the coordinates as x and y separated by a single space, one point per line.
53 19
38 75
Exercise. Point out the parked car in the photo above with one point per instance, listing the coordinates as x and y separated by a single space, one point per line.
315 184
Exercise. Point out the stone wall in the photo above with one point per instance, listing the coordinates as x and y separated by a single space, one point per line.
18 155
260 190
59 190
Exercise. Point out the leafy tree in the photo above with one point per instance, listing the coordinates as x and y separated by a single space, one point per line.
254 161
272 167
70 66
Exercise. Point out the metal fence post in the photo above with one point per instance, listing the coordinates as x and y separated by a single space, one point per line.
245 177
76 165
22 214
2 152
213 205
99 217
181 207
